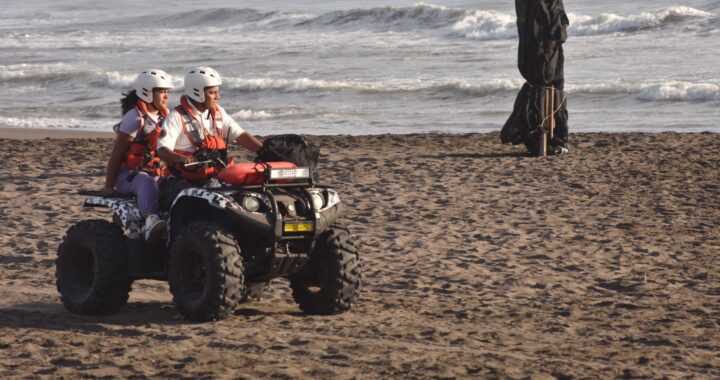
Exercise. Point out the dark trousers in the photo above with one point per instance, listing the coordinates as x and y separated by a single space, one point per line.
170 188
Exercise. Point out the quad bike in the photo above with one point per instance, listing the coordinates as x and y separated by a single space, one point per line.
225 242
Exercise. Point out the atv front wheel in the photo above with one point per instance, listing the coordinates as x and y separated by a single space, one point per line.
205 272
329 282
91 268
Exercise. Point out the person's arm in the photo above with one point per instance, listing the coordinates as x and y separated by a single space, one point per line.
237 133
172 158
249 142
169 135
122 142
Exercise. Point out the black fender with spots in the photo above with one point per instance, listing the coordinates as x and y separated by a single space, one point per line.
194 204
125 211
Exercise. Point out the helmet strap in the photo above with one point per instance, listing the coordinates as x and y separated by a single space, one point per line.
142 106
186 106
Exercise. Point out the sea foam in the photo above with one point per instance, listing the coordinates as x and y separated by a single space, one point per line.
56 123
657 91
393 86
607 23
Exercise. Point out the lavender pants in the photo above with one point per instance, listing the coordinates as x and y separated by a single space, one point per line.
143 186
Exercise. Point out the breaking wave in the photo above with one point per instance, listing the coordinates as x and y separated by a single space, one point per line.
434 19
56 123
230 17
391 17
607 23
670 90
474 24
495 25
254 115
60 71
32 72
307 84
662 91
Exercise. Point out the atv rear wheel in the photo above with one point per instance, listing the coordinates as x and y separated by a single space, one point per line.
205 272
329 282
91 268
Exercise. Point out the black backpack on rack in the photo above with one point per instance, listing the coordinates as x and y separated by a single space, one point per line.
292 148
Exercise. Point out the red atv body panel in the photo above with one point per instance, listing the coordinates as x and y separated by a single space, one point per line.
250 173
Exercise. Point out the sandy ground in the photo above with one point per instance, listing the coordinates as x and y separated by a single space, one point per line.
479 263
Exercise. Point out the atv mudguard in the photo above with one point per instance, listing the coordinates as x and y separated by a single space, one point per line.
329 214
126 211
259 223
213 199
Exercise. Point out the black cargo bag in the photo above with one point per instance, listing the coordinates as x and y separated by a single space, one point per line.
291 148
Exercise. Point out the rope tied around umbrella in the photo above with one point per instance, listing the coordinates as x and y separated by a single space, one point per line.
549 111
550 94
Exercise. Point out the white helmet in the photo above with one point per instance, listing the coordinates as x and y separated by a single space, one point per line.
149 79
197 79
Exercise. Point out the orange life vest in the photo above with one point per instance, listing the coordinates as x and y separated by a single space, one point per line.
142 153
211 147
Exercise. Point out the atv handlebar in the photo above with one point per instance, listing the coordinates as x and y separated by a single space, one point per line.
213 161
198 163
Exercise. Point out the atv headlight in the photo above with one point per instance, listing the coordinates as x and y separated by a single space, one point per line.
297 173
317 201
251 203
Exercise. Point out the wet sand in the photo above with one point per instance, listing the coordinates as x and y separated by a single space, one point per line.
479 262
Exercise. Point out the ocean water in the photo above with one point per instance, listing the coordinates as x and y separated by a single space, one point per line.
360 67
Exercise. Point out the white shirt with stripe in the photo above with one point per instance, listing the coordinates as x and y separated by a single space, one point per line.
173 137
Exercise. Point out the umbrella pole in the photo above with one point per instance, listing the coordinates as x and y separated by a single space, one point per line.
552 112
543 135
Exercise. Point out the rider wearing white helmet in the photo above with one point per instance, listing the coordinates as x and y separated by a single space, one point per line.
149 80
198 129
133 167
196 80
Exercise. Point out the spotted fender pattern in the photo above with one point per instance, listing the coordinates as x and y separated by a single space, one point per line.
333 198
216 200
125 209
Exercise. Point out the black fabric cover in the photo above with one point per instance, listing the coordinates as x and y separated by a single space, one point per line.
542 29
292 148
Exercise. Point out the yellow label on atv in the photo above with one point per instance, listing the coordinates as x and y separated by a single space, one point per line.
298 227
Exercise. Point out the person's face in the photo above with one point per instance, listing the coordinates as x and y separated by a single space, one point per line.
160 97
212 96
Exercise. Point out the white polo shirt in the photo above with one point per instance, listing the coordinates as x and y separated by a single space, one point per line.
173 137
131 121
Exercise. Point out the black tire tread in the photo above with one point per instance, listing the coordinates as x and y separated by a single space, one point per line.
344 275
111 286
225 274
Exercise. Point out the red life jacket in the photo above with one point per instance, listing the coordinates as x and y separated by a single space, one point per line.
210 147
142 153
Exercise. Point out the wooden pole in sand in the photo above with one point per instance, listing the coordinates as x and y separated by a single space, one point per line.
543 135
552 112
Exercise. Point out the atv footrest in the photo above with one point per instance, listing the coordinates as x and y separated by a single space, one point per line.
145 260
94 193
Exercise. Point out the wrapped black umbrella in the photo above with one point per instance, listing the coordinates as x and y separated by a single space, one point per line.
539 117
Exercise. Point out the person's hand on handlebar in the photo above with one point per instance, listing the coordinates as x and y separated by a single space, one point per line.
187 159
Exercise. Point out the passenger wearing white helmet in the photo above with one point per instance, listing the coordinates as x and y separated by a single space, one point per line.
198 130
133 167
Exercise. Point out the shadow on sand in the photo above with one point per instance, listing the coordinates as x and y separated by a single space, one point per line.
479 155
54 316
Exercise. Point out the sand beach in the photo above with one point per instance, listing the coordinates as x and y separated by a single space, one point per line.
479 262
